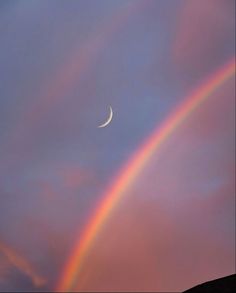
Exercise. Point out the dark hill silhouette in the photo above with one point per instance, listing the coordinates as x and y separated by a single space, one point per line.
222 285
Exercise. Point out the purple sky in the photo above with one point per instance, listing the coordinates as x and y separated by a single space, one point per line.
62 64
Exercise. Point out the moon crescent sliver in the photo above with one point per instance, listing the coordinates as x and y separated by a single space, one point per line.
108 120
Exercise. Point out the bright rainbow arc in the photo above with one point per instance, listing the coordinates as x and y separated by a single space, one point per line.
132 169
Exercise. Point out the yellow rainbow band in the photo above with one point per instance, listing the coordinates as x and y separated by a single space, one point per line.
131 170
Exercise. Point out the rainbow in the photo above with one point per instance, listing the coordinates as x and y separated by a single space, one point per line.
132 169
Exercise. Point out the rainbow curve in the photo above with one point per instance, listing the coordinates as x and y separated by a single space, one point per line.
132 169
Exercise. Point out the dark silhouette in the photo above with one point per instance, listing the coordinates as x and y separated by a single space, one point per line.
222 285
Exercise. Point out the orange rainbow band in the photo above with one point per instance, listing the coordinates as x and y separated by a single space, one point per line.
131 170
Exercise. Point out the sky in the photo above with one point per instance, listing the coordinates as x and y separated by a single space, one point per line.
63 63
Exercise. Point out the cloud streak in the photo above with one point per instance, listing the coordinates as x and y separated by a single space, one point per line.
20 263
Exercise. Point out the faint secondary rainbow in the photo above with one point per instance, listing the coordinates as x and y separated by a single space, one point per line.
70 74
131 170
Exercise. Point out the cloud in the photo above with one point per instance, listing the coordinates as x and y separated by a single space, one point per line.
22 265
4 268
204 37
72 177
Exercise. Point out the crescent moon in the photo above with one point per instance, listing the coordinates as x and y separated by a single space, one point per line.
108 121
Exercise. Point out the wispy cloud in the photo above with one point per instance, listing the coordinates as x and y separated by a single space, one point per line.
20 263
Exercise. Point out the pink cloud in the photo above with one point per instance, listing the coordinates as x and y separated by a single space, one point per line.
22 264
204 31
